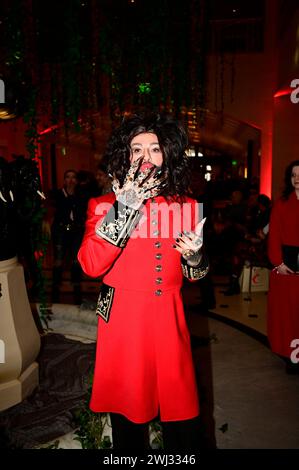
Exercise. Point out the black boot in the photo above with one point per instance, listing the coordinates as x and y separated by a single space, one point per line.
182 435
234 286
127 435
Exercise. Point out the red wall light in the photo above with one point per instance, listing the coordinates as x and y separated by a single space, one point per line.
283 92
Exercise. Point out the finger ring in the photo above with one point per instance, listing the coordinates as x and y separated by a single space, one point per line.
188 253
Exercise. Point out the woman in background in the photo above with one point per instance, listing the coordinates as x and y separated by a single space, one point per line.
283 252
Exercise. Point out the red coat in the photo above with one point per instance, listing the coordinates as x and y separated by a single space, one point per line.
283 304
143 361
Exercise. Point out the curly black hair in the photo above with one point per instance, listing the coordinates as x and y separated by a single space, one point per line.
173 141
288 187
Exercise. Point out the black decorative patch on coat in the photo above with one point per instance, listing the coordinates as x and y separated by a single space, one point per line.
104 303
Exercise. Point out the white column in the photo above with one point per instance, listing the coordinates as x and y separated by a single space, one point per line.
19 337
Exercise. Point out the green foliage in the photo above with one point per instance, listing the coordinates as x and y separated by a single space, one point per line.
144 88
54 445
64 57
91 428
156 434
91 425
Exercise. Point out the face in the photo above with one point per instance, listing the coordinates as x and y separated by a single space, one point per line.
295 177
101 178
70 179
236 197
146 145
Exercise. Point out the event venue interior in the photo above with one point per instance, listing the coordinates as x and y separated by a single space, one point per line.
71 72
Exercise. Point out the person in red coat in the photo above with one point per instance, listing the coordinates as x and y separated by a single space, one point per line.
143 238
283 251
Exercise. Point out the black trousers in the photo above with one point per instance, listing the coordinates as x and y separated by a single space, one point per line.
177 435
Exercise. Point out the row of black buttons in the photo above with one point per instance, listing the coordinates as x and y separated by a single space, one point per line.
158 256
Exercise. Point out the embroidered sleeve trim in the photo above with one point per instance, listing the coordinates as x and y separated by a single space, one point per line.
118 224
195 272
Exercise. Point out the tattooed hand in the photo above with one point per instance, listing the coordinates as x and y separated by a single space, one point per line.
138 185
189 244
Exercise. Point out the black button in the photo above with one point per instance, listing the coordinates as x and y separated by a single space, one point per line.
159 280
157 244
158 256
158 268
158 292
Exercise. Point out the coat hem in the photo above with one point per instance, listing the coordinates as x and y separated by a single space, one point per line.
145 420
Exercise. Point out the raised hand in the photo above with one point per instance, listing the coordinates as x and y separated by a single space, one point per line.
138 185
284 269
189 244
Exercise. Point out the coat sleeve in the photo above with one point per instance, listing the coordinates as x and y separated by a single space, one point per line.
274 240
96 255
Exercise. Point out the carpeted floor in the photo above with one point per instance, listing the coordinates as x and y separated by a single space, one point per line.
247 400
49 411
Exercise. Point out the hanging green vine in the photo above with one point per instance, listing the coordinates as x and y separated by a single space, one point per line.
76 58
67 49
39 237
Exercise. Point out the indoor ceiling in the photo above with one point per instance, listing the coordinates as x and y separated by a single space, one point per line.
220 133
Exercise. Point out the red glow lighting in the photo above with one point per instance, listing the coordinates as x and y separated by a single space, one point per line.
283 92
266 169
49 129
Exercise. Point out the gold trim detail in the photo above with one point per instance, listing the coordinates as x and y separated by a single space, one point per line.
118 224
195 272
104 303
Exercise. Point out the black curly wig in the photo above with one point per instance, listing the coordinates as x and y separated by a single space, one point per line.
288 187
173 142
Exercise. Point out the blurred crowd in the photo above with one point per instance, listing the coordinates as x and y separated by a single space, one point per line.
237 227
66 222
235 232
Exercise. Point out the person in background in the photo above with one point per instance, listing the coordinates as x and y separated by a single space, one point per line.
257 233
206 286
67 232
87 185
283 252
259 223
234 233
85 189
103 179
